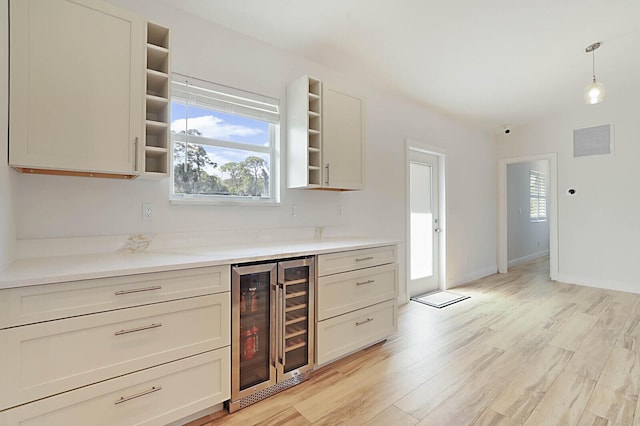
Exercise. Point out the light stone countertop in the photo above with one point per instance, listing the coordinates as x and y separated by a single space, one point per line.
47 270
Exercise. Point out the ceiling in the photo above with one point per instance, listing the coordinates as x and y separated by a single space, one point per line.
488 63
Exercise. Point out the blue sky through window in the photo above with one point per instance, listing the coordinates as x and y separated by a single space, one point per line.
220 125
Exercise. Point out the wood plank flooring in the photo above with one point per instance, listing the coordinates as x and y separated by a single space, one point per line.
521 350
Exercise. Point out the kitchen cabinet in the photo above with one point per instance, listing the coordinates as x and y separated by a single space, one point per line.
86 350
77 90
325 136
357 300
155 396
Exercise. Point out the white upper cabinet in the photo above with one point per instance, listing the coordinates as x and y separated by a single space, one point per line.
325 137
76 88
342 139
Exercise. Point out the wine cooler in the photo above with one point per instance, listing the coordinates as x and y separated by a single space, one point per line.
272 308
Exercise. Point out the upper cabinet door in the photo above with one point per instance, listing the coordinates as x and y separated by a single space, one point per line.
76 86
342 139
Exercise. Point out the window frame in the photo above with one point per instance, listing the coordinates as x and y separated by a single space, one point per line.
272 151
536 179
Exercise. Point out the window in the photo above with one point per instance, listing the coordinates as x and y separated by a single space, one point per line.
224 142
537 196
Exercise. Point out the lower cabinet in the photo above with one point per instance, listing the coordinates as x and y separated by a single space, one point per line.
356 300
52 357
156 396
347 333
140 357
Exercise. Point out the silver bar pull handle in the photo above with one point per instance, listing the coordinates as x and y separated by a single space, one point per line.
365 282
138 395
274 336
327 169
133 330
138 290
135 144
283 324
362 259
364 322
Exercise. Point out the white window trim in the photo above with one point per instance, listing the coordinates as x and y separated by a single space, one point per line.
273 150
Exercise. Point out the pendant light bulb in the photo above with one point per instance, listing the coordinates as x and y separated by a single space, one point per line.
594 92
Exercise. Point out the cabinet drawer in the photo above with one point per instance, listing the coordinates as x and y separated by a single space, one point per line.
156 396
349 291
334 263
43 359
349 332
26 305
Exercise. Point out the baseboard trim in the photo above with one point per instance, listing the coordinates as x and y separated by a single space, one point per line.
527 258
629 287
472 276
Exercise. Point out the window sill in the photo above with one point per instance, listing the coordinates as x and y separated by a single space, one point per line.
197 201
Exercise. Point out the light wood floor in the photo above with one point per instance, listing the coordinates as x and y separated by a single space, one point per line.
522 350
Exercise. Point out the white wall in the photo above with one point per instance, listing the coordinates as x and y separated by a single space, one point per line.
526 240
62 206
7 230
598 231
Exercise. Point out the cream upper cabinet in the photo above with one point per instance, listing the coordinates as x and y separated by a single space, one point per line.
76 87
342 139
325 137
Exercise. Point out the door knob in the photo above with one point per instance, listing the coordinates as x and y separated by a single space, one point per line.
436 230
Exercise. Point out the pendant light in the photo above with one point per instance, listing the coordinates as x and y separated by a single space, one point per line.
594 92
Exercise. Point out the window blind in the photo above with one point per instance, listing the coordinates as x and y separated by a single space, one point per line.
196 92
538 195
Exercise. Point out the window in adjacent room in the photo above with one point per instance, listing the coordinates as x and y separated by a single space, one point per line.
224 143
537 196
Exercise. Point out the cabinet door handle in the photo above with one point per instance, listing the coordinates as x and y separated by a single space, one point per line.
138 395
327 168
364 322
362 259
133 330
365 282
135 148
138 290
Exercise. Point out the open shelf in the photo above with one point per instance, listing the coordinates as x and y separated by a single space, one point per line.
157 108
157 84
157 35
157 58
157 101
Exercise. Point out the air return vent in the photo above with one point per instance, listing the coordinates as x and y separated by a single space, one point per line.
595 140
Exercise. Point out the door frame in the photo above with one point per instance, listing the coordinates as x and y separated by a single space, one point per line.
440 154
553 210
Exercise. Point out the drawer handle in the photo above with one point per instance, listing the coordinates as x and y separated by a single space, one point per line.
362 259
365 282
133 330
138 290
138 395
364 322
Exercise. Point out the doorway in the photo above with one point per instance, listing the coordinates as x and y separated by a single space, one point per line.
424 222
551 210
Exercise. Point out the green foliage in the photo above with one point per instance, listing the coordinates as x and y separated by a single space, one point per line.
249 177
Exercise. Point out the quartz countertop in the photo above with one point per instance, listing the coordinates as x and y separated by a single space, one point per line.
46 270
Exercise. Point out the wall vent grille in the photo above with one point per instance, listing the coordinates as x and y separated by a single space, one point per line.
597 140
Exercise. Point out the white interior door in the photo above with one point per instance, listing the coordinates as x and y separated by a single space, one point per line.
423 223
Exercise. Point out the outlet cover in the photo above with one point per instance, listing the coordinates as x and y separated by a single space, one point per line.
147 211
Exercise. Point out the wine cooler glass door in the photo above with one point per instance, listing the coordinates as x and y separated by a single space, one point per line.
295 297
253 351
